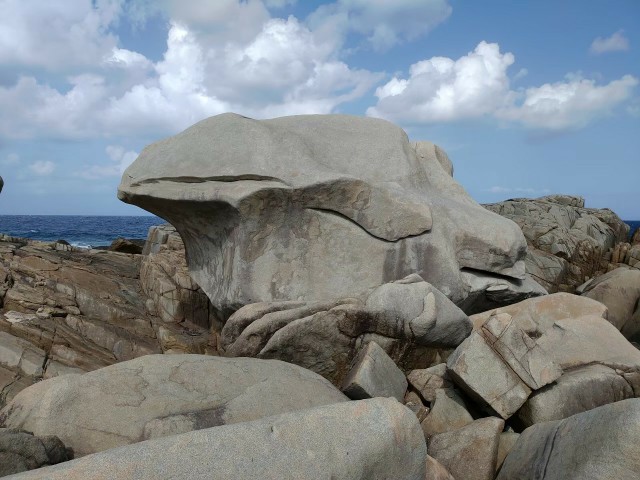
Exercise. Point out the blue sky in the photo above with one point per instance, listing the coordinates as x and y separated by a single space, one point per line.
528 98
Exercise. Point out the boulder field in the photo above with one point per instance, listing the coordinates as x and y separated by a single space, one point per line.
330 304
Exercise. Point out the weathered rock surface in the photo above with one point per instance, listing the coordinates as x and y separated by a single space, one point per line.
160 395
374 374
283 210
447 412
600 444
73 310
409 319
568 244
21 451
470 452
427 381
127 245
561 338
172 293
619 290
367 439
436 471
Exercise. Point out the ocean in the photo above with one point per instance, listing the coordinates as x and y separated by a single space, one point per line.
96 231
80 231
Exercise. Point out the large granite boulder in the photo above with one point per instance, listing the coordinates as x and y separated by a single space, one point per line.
568 243
545 359
409 319
619 290
601 444
160 395
319 207
362 440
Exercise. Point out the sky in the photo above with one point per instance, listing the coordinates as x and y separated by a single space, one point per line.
527 98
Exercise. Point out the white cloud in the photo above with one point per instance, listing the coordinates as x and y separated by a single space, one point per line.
120 160
476 85
384 23
615 43
57 34
441 89
42 167
570 104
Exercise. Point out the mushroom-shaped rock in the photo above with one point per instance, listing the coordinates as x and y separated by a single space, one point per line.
317 207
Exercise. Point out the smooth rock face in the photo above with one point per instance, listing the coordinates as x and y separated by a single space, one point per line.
409 319
284 209
160 395
21 451
470 452
436 471
619 290
368 439
567 243
427 381
374 375
601 444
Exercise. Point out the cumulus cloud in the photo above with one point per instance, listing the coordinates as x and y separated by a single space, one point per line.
57 34
570 104
285 68
477 85
42 167
615 43
441 89
120 159
384 23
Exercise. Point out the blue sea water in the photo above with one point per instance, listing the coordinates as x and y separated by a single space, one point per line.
81 231
95 231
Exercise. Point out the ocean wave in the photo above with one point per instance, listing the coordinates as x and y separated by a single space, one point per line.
81 245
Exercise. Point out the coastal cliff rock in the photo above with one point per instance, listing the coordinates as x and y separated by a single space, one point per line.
316 208
66 310
568 243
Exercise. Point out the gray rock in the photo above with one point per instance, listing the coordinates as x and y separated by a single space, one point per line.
619 290
500 364
426 381
448 412
374 375
283 209
414 403
601 444
470 452
409 318
575 391
567 242
436 471
523 348
160 395
21 451
505 445
368 439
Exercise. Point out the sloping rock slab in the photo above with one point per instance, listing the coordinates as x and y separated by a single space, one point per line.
363 440
601 444
160 395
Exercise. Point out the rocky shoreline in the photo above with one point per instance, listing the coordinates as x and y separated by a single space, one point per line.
505 353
